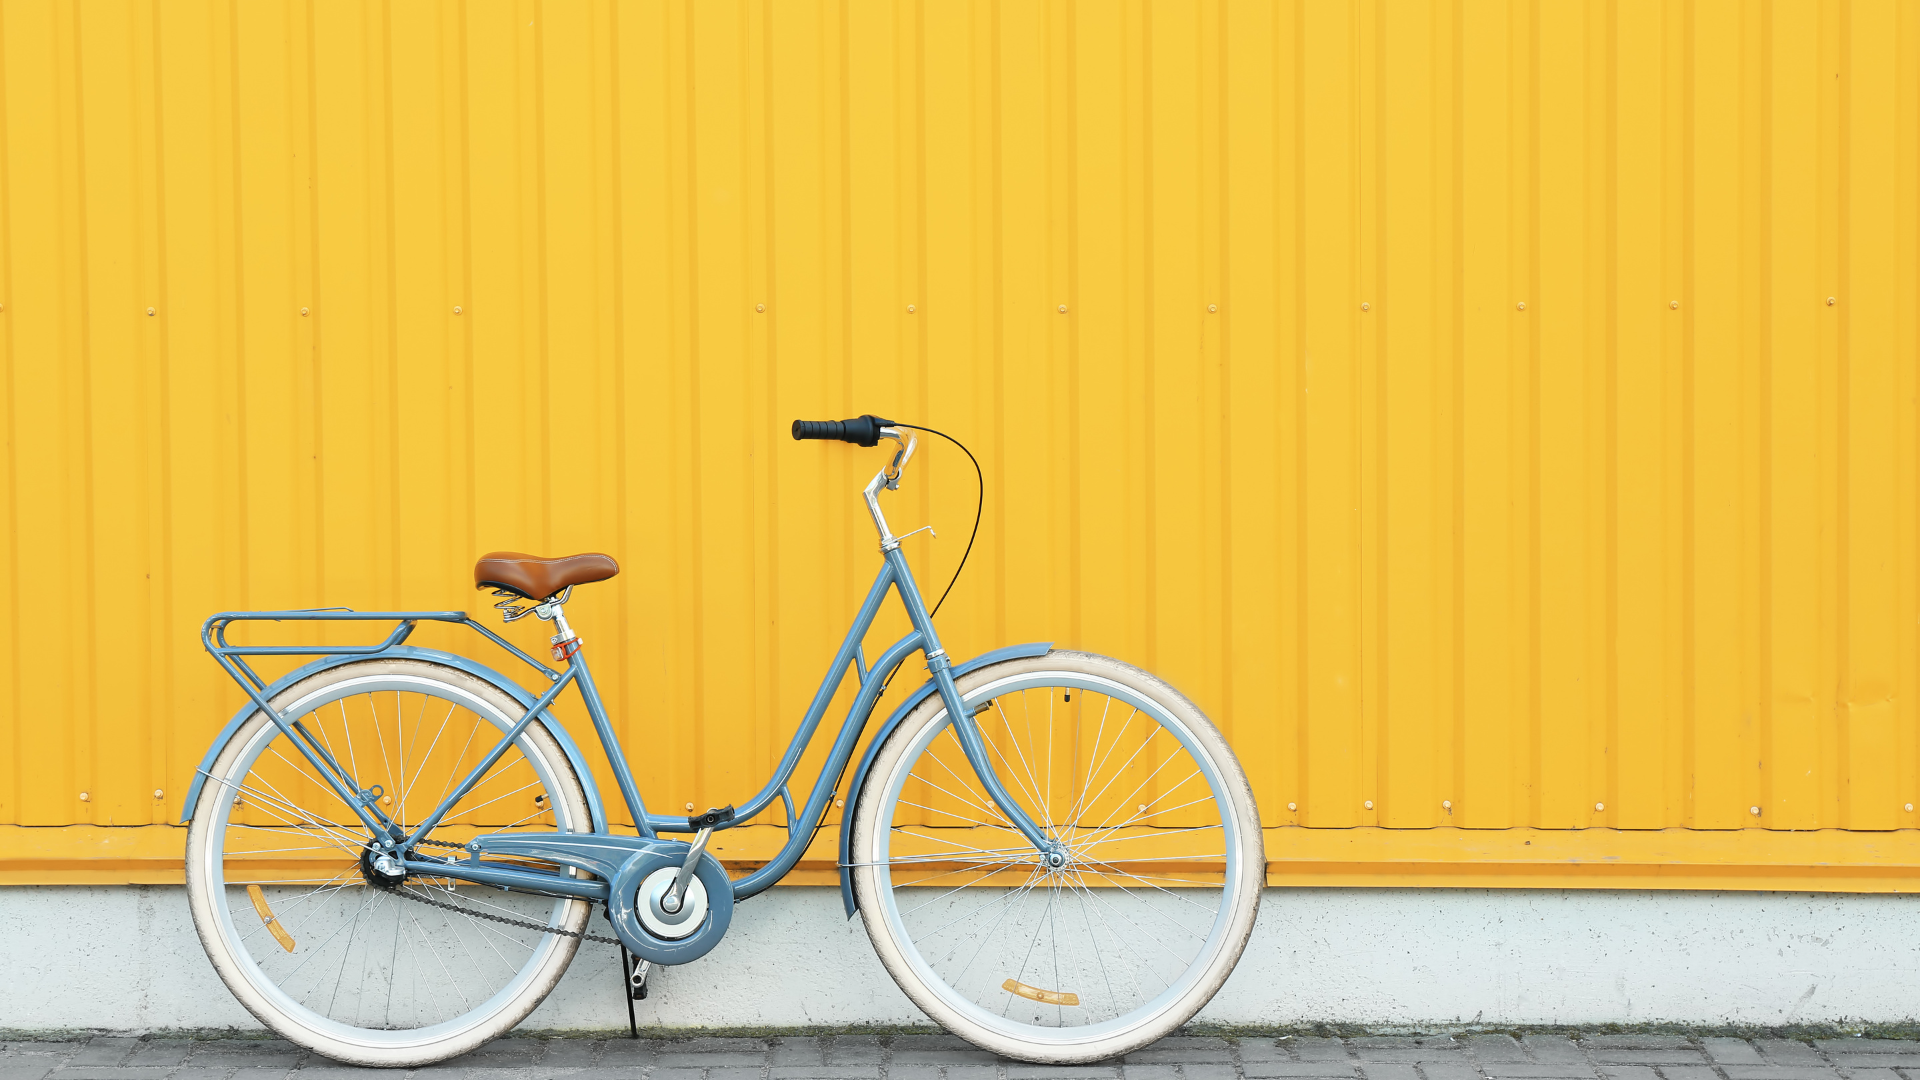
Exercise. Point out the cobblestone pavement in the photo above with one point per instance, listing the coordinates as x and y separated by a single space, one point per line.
942 1057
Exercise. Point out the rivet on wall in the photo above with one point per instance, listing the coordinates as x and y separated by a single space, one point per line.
1291 806
150 310
1063 309
689 806
762 308
1522 305
457 310
1364 306
1599 806
1212 309
1447 805
83 796
303 311
909 309
159 794
1369 804
1754 810
1829 301
1674 304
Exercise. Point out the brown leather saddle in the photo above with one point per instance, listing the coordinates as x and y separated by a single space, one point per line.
539 579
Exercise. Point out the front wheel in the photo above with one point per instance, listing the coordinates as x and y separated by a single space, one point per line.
1086 961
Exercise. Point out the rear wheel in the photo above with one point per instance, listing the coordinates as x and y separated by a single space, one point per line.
1080 962
337 957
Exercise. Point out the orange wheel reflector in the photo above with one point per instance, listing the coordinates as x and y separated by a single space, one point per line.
1051 997
280 932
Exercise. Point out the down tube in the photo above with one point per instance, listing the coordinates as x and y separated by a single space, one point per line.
831 770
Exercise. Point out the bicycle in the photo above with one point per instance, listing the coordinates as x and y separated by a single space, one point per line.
1055 854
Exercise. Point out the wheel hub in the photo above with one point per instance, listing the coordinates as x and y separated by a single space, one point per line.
381 870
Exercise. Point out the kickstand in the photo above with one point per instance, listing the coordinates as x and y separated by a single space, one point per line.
626 990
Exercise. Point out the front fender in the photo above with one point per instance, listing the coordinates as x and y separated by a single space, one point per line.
596 810
1011 652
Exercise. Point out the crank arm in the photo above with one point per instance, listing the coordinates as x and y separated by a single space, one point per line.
671 901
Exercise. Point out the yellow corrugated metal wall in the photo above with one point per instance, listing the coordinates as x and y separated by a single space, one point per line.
1496 415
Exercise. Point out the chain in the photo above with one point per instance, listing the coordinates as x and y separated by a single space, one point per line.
470 913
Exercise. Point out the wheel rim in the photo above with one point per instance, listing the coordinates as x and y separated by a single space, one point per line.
1129 926
372 968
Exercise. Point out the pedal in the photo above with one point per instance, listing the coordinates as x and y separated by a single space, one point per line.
637 979
712 819
634 971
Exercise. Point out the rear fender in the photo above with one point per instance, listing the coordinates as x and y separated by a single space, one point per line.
926 689
596 810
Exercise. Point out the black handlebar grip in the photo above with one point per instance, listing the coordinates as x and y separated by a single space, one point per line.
860 431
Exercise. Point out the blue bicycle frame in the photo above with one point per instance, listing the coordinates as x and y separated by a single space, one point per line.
894 576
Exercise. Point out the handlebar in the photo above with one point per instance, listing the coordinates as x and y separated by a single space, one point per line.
866 430
860 431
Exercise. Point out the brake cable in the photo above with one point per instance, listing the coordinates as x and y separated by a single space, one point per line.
979 505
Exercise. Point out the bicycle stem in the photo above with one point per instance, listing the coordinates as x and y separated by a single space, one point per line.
889 478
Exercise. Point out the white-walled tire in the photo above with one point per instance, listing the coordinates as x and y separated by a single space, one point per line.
359 973
1080 962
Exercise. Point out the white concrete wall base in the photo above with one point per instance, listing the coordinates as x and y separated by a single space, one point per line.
125 958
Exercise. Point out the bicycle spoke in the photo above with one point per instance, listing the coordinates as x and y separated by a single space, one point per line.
465 809
1098 953
353 761
1168 810
984 803
1131 795
1031 942
936 931
424 758
386 763
1007 722
1094 773
1011 897
945 813
949 892
1144 936
1150 907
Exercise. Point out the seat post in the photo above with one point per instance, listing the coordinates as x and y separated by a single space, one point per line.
560 622
563 643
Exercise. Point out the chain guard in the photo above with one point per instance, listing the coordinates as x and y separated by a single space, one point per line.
624 863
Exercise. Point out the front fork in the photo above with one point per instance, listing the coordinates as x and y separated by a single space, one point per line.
968 732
